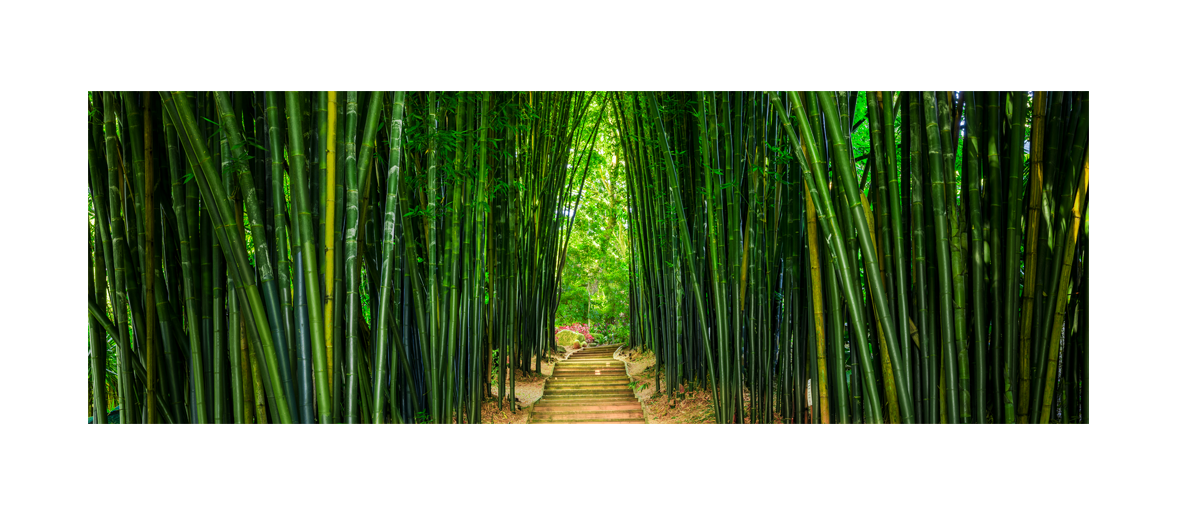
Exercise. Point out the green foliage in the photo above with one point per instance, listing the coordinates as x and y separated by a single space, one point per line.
594 284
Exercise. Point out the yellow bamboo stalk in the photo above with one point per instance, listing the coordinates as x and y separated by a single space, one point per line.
886 365
1037 157
329 237
1063 290
818 299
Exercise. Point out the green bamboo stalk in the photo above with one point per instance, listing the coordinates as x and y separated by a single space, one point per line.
351 262
958 270
815 180
234 350
179 200
274 126
243 351
98 343
686 249
274 352
389 233
132 130
899 233
117 248
218 357
1056 198
1032 224
1062 295
102 248
149 272
234 244
923 311
886 361
301 207
1015 111
432 290
135 364
995 198
260 408
971 161
881 305
942 249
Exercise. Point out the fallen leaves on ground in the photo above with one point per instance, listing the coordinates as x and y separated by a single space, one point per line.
692 406
529 389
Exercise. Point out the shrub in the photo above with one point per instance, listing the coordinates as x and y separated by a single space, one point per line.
581 328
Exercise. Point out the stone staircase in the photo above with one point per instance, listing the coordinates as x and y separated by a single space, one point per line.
589 387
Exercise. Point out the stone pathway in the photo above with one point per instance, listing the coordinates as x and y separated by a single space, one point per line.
589 387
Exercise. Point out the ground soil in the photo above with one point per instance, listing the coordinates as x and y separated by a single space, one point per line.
529 388
692 406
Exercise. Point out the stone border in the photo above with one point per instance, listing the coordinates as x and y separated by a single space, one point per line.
627 366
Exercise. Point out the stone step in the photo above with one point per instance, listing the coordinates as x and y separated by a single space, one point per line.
558 399
588 376
600 369
590 379
583 397
573 367
576 385
586 406
616 405
582 415
586 384
588 387
595 421
588 367
590 391
592 371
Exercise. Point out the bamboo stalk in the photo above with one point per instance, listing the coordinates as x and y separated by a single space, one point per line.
1015 108
942 250
971 161
817 311
393 177
148 191
1063 286
1030 258
882 306
302 207
816 180
329 224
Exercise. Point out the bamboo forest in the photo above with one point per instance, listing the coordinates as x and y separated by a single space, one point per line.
588 257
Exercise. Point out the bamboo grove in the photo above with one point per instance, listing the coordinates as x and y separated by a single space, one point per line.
325 257
939 277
